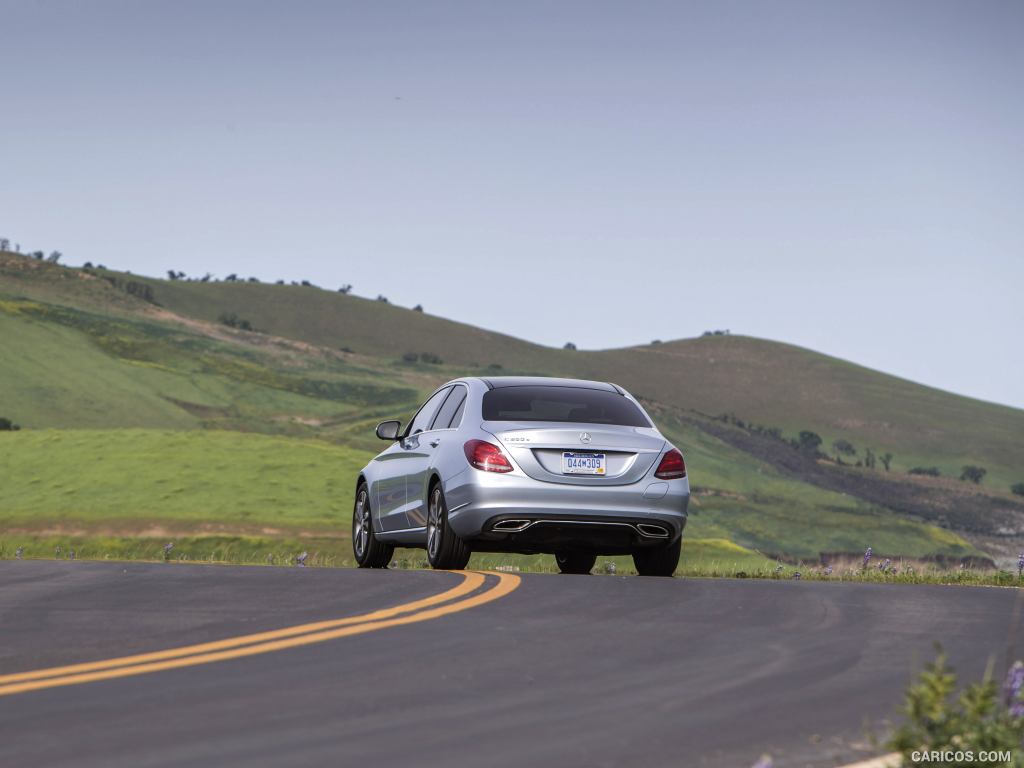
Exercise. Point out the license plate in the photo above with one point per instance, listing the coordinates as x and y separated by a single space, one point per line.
583 463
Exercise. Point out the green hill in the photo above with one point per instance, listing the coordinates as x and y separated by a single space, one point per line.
102 350
764 382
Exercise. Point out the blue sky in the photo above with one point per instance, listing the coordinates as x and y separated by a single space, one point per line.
844 176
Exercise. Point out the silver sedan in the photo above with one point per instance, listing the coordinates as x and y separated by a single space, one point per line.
524 464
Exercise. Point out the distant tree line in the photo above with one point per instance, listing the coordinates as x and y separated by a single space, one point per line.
345 289
53 258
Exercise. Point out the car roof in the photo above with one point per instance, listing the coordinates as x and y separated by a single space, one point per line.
499 382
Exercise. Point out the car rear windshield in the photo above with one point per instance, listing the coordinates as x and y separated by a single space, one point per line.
562 404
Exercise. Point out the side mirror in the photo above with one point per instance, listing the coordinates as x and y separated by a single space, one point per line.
388 430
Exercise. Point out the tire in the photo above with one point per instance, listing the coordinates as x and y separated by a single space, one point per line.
575 561
370 551
658 562
445 550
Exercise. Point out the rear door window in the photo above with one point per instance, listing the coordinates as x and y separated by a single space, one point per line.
425 415
451 405
457 417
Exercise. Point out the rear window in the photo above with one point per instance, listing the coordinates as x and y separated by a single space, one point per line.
562 404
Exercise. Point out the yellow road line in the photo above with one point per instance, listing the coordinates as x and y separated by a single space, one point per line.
265 642
470 581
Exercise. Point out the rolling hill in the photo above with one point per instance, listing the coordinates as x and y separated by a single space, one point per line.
98 351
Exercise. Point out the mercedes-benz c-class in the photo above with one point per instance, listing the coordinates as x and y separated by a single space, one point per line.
531 465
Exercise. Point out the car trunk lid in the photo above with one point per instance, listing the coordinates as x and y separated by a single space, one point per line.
541 449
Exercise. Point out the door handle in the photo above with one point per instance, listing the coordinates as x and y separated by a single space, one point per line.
435 443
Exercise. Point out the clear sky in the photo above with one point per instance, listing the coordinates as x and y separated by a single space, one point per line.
845 176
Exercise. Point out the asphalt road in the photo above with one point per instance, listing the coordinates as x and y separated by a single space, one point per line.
562 671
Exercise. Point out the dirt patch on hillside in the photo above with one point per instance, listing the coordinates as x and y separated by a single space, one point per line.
953 505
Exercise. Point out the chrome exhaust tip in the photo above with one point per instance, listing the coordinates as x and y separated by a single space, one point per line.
652 530
511 526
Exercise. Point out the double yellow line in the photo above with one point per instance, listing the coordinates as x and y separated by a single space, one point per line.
266 642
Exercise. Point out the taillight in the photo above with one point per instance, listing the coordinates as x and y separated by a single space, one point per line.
671 467
486 456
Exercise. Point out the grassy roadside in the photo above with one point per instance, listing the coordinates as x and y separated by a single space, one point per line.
143 487
702 558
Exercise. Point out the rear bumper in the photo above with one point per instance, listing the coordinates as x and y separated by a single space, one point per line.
515 513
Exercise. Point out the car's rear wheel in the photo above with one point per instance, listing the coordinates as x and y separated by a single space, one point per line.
575 561
445 550
658 562
370 551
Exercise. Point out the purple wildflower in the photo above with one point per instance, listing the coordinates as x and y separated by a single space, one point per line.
828 570
884 566
301 560
1012 688
867 556
1020 564
797 575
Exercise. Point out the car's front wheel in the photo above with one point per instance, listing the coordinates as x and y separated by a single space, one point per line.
370 551
658 562
575 562
445 550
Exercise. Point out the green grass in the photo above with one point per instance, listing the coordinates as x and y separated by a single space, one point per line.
121 482
191 482
701 559
83 356
762 381
70 368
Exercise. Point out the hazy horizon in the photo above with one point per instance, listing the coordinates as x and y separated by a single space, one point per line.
846 177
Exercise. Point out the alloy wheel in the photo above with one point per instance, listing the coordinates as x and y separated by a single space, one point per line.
361 525
435 523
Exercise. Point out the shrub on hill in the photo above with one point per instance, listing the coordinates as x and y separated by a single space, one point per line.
1017 489
410 357
6 425
431 358
808 442
929 471
232 320
973 474
845 447
139 290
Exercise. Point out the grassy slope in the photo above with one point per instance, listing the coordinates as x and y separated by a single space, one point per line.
761 381
66 367
148 482
130 481
131 367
